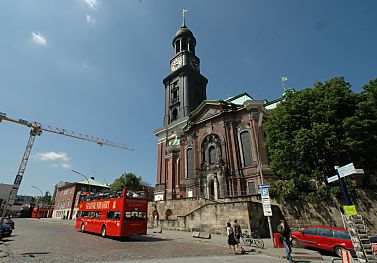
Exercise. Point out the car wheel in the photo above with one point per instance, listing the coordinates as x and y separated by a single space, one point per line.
103 231
338 251
294 242
83 227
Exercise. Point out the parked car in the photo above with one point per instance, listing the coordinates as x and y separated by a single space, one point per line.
8 221
327 238
5 230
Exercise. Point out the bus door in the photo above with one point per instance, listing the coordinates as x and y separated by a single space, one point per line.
113 223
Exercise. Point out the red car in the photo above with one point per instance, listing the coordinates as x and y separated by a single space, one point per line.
328 238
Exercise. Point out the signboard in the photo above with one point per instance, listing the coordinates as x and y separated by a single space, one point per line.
263 186
346 170
13 196
266 203
332 178
267 211
350 210
264 193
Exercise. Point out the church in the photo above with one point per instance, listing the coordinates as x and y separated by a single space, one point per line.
210 149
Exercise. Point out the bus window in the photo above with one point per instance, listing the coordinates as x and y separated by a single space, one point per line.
114 215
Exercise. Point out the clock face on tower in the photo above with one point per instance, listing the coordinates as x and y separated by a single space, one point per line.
194 62
176 63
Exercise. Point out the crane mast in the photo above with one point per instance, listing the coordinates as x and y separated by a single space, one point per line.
36 130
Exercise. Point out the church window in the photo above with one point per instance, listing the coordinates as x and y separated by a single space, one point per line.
184 45
190 163
246 148
213 158
174 96
174 115
177 46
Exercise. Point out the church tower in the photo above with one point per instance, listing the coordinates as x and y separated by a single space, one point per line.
185 87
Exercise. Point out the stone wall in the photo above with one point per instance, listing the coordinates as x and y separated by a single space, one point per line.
206 215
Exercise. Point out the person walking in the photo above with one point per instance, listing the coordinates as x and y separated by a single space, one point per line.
285 238
237 235
231 240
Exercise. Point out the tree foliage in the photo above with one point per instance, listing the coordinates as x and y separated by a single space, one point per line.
47 199
313 130
128 180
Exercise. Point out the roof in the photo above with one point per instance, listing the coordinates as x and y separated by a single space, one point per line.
239 99
92 182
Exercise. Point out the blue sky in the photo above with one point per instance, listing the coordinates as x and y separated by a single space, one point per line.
96 67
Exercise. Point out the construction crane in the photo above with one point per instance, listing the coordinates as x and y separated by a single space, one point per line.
36 130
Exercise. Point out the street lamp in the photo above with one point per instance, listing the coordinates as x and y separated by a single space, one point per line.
84 177
38 216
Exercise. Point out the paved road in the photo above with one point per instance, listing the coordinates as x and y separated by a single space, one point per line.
57 241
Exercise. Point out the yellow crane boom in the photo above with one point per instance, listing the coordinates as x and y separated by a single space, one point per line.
36 130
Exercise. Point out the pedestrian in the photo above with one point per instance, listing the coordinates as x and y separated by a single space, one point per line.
231 240
237 235
285 238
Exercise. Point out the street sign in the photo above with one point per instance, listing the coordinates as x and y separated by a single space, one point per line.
332 178
350 210
263 186
267 211
264 193
266 203
346 170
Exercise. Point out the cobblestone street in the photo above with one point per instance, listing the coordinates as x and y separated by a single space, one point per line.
52 241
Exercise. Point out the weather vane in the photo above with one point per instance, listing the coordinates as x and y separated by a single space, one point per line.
183 15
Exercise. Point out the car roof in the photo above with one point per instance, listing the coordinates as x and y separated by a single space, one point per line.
328 227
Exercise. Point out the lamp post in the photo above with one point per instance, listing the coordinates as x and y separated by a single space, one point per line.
76 172
38 216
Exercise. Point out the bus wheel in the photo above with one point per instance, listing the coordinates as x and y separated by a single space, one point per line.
103 231
83 227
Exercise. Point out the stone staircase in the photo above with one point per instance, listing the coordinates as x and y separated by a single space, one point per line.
360 238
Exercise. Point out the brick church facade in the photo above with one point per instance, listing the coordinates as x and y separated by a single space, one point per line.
207 148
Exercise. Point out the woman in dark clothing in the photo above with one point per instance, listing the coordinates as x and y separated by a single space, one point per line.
285 238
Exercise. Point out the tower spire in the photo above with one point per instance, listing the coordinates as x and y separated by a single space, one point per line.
183 15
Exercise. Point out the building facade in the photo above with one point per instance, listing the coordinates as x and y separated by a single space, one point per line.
207 148
67 197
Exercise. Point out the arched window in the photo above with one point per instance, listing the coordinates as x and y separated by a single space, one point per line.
190 163
246 148
174 115
213 158
177 46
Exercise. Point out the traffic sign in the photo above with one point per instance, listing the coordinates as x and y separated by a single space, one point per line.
346 170
332 178
264 193
263 186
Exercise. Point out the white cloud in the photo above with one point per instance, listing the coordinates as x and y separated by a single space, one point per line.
91 3
59 159
66 165
53 156
90 20
38 38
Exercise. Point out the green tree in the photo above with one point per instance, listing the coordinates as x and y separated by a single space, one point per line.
313 130
47 199
128 180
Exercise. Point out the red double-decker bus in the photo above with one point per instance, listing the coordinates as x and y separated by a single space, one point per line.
119 214
42 211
